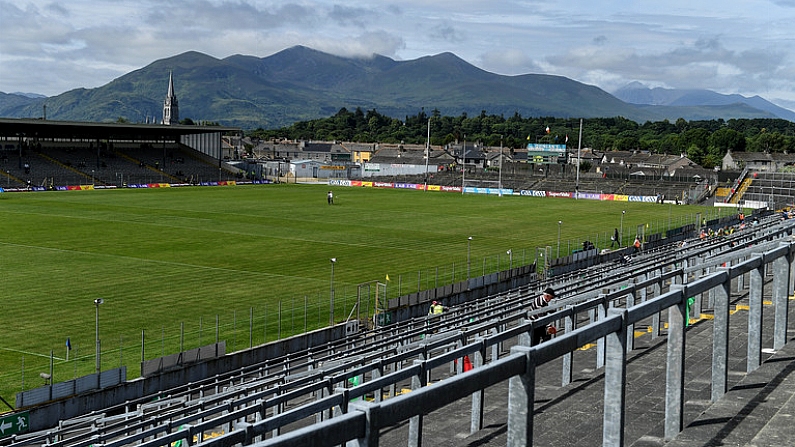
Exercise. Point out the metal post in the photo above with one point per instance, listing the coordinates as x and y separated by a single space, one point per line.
559 224
615 383
331 314
675 375
427 153
780 297
97 302
499 180
469 243
463 164
415 422
521 396
476 418
720 337
755 289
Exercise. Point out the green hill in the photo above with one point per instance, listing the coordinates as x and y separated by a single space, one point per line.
299 84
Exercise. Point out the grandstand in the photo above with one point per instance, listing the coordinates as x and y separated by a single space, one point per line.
774 190
48 154
347 384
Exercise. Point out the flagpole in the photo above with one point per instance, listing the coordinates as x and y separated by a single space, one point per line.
579 146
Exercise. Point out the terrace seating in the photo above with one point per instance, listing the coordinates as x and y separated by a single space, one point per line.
53 165
774 189
302 384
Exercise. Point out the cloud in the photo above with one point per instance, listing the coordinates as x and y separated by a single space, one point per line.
347 16
447 34
509 61
363 45
722 46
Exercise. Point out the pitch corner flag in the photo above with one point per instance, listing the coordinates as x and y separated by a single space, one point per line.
68 344
387 277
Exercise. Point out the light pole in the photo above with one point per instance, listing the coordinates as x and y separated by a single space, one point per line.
97 302
331 314
469 243
510 259
464 165
427 153
560 222
499 180
621 232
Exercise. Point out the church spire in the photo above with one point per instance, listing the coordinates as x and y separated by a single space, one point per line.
170 105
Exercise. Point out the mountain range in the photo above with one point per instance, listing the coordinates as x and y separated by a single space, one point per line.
637 93
300 83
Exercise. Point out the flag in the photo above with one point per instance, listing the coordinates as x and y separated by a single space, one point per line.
68 344
547 129
387 277
567 138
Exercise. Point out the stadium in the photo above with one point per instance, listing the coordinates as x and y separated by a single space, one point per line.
393 375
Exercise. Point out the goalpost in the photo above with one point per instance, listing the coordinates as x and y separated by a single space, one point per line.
364 294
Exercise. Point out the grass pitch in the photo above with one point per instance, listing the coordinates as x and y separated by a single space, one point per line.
170 263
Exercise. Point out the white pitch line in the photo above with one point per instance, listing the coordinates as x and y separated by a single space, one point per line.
46 356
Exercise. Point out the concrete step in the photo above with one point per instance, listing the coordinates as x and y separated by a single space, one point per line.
758 411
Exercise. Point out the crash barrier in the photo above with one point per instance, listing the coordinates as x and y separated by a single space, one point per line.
361 422
182 359
244 406
60 390
410 306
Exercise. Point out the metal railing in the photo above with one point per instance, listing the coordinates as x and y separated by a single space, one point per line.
519 367
419 348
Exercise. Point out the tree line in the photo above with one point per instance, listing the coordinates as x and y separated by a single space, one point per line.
703 141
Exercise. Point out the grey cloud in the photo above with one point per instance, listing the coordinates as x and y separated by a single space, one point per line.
363 45
509 61
345 15
448 34
206 18
58 9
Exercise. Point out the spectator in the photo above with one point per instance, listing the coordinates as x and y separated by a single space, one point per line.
543 333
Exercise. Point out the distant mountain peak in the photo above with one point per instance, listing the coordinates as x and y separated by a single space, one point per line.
29 95
637 93
300 83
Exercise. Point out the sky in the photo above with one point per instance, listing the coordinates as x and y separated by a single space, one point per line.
728 46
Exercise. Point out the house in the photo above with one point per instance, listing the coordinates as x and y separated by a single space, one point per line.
637 161
360 153
756 161
468 153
